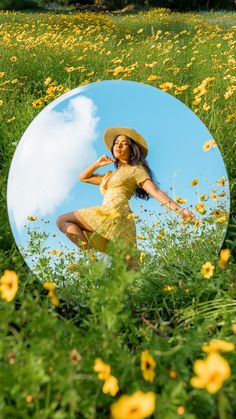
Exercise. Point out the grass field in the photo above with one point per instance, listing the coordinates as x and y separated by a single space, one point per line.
158 342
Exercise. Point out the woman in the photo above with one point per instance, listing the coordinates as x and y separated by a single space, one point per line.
114 219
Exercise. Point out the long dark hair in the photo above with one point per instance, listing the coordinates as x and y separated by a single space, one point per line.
136 157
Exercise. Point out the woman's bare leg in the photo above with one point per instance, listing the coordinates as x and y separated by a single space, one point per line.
72 225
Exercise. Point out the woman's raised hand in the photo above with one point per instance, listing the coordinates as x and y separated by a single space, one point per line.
187 215
104 161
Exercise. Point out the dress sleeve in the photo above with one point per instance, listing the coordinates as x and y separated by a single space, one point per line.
140 174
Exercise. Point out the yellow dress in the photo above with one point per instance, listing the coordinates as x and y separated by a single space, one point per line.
114 218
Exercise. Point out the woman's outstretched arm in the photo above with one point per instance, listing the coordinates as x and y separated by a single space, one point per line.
162 197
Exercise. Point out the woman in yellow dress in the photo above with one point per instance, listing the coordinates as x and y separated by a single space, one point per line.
94 227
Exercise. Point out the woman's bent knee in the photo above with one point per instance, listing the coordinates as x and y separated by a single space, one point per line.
60 221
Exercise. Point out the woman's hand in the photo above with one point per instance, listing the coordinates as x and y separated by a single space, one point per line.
187 215
104 161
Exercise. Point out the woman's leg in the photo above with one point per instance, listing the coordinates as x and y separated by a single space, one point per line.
72 225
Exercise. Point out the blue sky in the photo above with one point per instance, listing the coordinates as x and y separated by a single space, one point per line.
67 136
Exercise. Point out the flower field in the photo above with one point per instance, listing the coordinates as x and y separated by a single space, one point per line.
91 341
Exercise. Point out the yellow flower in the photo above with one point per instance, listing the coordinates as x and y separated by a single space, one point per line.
213 143
75 357
211 373
47 81
206 107
161 235
231 117
207 270
207 145
213 195
138 405
194 182
180 200
148 365
31 218
168 288
141 256
222 194
224 257
166 86
54 300
197 223
182 88
53 252
180 410
203 197
127 36
69 69
37 103
140 30
216 345
152 78
140 238
8 285
200 208
110 386
172 373
222 181
104 370
13 58
50 286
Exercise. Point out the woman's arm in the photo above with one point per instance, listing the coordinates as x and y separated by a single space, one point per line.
88 176
161 196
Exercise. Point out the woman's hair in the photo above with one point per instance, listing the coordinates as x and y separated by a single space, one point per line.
136 157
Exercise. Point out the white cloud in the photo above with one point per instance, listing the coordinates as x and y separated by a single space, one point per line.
53 150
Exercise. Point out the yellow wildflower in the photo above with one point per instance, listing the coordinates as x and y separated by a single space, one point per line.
110 386
222 181
140 30
152 78
211 373
166 86
141 256
200 208
213 195
8 285
180 410
182 88
216 345
180 200
206 107
75 357
203 197
224 257
207 145
138 405
148 365
172 373
104 370
207 270
50 286
194 182
168 288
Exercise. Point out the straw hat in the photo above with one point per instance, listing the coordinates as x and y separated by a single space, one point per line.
110 134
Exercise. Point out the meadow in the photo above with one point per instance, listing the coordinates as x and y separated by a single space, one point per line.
99 342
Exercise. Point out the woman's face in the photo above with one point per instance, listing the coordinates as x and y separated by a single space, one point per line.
121 148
